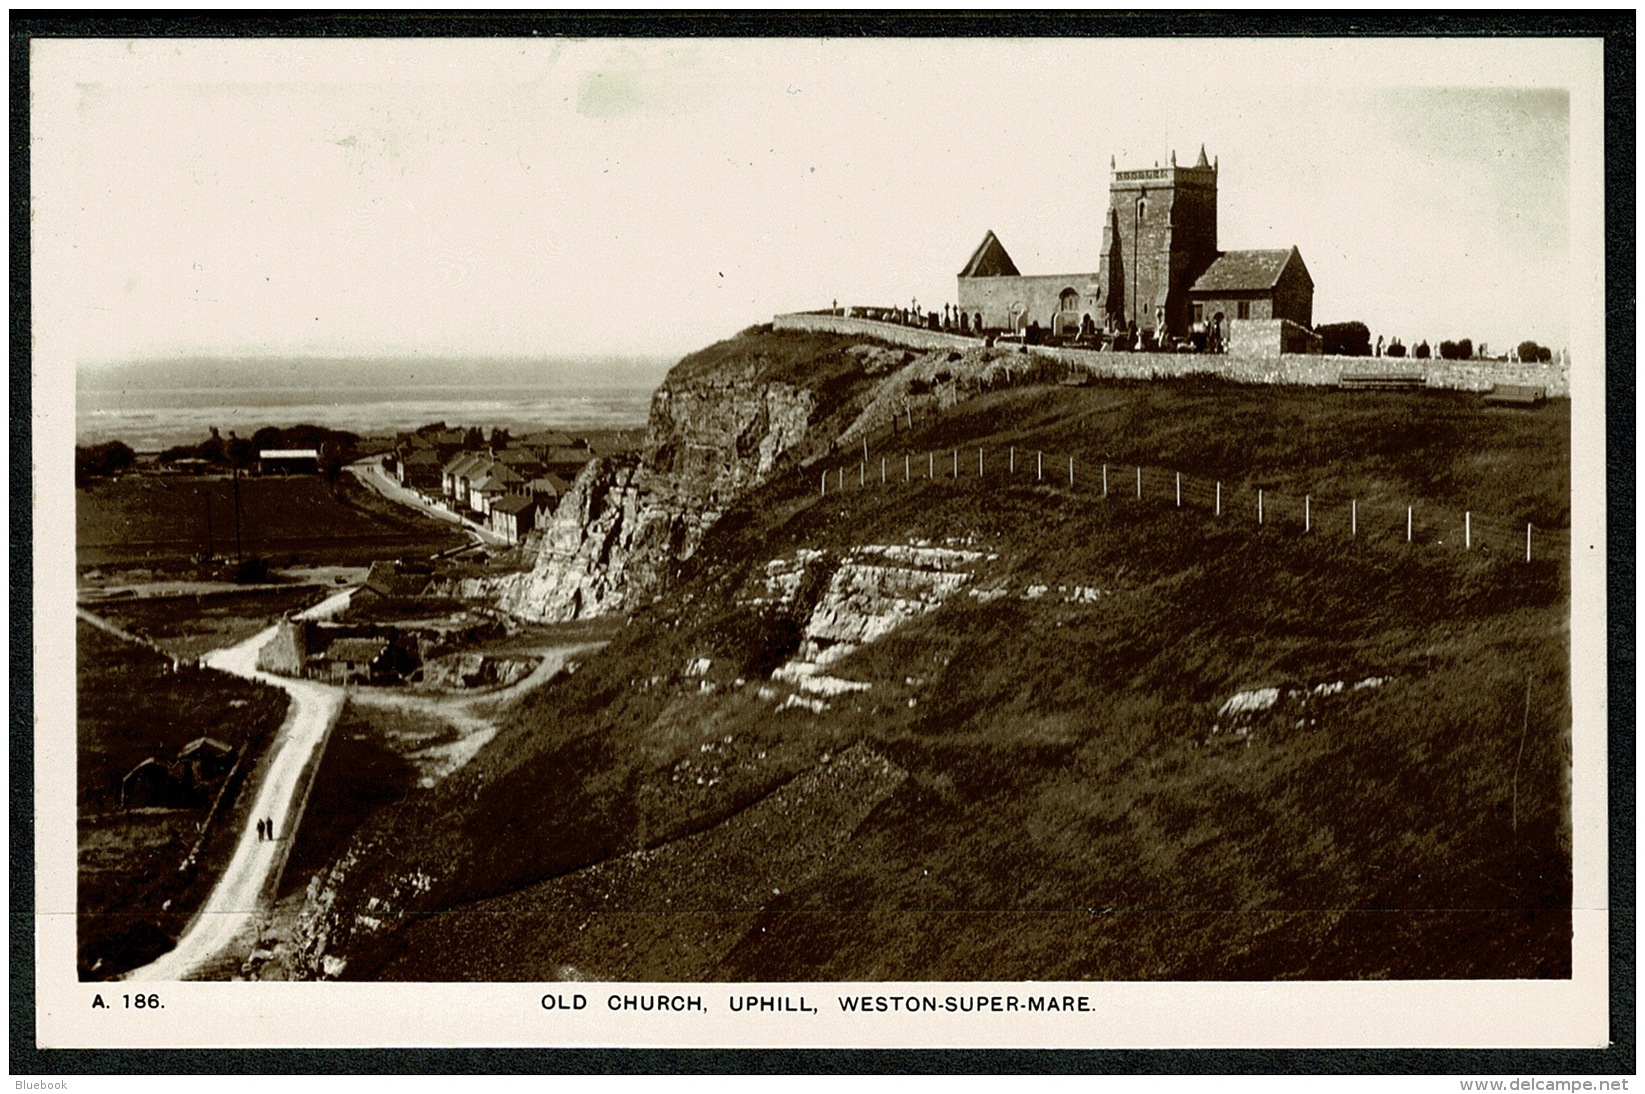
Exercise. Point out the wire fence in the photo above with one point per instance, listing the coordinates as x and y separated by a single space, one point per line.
1373 520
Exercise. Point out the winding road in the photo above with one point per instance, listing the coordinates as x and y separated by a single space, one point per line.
370 473
282 791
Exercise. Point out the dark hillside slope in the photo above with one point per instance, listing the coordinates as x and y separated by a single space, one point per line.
1045 776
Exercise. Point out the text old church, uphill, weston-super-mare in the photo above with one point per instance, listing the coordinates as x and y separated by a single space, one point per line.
1159 269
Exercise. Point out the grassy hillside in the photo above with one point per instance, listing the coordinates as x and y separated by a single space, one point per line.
1031 787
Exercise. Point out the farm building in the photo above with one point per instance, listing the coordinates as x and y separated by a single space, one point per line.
288 461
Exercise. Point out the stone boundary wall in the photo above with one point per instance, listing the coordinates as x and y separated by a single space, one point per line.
1287 368
895 333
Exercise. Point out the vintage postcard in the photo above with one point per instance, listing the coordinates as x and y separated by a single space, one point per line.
581 542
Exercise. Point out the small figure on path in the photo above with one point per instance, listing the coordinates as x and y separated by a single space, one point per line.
270 823
259 831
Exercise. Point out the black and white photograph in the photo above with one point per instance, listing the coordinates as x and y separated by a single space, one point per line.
819 540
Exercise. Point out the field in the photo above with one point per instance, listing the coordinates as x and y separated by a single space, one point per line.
189 626
133 898
1032 786
155 520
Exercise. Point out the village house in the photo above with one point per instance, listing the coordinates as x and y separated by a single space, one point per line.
499 479
419 469
459 471
546 489
512 516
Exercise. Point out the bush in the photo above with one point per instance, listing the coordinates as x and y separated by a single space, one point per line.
1465 349
1396 348
1422 351
1351 339
101 459
1530 351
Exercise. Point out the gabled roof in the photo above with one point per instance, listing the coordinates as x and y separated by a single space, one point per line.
547 438
1247 271
356 649
566 456
514 457
467 462
387 580
548 484
990 260
289 454
203 744
422 457
500 475
513 503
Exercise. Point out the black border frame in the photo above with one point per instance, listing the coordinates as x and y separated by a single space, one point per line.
1616 30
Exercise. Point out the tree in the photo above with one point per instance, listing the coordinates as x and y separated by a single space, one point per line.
1351 339
1423 352
239 452
1529 351
1396 348
1447 350
1544 354
1465 349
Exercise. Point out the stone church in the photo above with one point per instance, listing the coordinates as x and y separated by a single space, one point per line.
1159 268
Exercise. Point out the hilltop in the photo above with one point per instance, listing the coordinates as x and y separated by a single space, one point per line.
998 726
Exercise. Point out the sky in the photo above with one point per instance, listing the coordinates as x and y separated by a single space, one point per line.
530 198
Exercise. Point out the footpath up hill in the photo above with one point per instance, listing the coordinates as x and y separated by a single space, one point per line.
998 727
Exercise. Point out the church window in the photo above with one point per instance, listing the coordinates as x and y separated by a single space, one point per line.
1068 301
1245 309
1199 313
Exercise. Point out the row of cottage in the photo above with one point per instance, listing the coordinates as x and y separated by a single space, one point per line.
505 486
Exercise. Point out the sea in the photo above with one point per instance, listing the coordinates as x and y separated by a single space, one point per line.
145 411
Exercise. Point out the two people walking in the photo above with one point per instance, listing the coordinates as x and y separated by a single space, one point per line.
265 829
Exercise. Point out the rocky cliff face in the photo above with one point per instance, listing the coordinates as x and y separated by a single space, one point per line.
616 533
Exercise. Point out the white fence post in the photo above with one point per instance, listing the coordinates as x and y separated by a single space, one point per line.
842 479
1105 480
979 463
1527 543
1013 459
1353 517
1259 505
1467 531
905 465
1070 471
1307 513
1179 489
862 473
930 465
824 489
882 470
1219 498
956 464
1407 524
1139 482
1039 465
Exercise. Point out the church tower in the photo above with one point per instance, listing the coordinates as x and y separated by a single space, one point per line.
1159 236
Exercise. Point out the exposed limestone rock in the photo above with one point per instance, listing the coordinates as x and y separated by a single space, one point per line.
617 532
876 589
